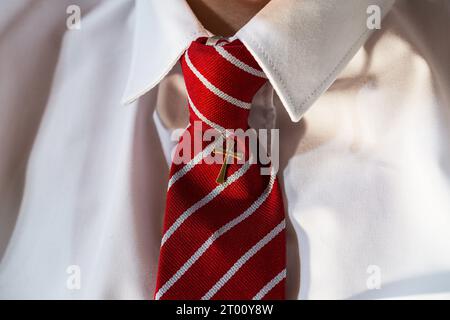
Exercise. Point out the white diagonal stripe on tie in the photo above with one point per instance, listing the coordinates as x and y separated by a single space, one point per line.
193 162
270 285
205 200
242 260
214 89
217 234
238 63
206 120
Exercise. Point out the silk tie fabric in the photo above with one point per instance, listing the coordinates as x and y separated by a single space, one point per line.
224 230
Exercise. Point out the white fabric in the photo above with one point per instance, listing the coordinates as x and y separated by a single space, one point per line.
86 118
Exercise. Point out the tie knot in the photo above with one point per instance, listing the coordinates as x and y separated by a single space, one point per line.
221 81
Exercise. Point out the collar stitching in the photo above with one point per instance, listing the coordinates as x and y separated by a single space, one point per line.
338 66
128 100
274 67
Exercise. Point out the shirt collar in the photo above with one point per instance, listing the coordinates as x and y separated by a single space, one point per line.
301 45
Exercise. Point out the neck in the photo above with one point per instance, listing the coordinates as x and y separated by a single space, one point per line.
225 18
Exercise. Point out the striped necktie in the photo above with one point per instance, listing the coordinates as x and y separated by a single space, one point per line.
224 228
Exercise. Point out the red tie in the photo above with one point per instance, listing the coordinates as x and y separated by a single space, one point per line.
224 227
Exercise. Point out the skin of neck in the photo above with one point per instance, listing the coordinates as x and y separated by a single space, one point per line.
225 17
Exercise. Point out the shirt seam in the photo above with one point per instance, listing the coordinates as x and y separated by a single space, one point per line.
319 87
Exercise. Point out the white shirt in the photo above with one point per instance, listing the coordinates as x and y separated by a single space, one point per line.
86 118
